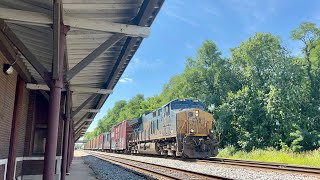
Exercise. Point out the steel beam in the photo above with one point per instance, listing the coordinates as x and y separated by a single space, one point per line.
96 6
80 120
37 86
91 110
101 25
90 90
130 43
83 105
72 88
23 17
11 55
141 19
24 50
80 127
40 19
92 56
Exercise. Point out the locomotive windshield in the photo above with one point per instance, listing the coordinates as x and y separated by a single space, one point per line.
187 104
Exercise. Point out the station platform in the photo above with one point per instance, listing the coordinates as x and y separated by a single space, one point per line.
79 170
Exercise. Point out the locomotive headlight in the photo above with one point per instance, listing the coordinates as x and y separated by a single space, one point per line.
211 131
191 130
197 113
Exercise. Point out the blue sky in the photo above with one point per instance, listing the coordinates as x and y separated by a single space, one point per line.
183 25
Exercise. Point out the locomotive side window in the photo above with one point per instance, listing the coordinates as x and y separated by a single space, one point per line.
167 109
159 112
151 128
154 113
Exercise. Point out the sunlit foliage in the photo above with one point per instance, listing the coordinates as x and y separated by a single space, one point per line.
261 96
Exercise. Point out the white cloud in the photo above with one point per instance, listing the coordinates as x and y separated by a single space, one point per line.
139 64
254 13
189 46
179 2
211 10
125 80
180 18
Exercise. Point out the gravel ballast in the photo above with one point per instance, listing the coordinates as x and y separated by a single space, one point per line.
220 170
105 170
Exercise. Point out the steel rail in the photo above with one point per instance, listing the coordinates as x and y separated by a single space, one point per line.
121 160
265 165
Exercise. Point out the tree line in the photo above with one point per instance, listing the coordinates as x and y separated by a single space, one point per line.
261 96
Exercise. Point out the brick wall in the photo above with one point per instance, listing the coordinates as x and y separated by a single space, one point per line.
1 172
27 123
7 96
30 124
19 169
32 167
22 131
35 115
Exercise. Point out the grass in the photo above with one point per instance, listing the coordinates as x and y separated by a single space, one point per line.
310 158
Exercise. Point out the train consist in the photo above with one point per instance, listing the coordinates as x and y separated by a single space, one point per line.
180 128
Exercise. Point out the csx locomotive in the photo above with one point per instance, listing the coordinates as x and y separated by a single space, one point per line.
180 128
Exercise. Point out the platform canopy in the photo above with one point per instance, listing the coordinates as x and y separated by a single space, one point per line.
102 37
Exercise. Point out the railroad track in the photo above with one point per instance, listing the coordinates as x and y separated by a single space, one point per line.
265 165
155 170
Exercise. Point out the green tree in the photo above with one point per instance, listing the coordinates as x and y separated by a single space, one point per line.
261 96
88 136
307 134
259 64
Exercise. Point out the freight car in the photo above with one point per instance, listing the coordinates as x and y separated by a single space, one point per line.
180 128
100 142
119 136
107 142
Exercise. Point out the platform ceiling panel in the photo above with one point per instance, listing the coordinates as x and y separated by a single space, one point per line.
31 21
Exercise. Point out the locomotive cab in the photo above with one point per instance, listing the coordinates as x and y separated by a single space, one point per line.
195 130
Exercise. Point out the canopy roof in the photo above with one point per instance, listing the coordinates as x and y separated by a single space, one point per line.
103 37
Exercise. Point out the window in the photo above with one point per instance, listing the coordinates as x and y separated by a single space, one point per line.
158 124
40 137
39 133
167 109
159 112
154 113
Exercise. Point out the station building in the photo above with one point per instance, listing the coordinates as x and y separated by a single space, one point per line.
59 61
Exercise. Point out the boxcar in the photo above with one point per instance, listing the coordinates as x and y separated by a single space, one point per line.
119 136
89 144
100 142
107 141
95 143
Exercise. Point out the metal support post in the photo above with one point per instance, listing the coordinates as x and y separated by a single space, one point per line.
66 132
54 112
69 146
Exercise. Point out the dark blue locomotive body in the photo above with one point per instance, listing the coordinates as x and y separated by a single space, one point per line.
180 128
